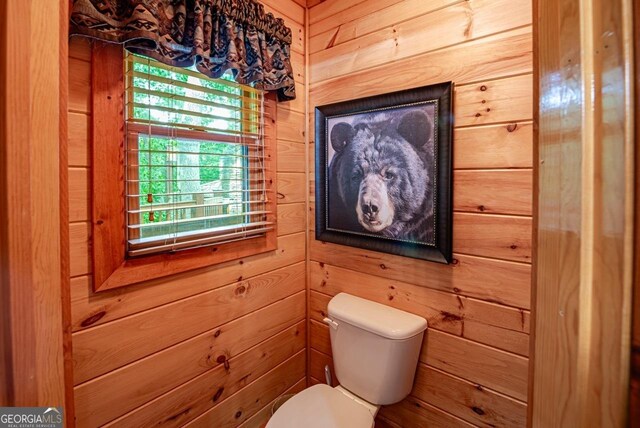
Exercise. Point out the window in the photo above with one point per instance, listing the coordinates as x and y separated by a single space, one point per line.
195 159
183 169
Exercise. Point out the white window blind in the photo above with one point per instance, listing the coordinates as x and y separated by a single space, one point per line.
195 159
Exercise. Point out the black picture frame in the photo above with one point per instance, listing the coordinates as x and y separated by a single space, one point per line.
373 123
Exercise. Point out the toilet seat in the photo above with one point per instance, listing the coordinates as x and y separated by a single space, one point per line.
321 406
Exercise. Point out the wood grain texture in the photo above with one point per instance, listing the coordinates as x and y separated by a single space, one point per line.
415 412
491 57
500 237
422 33
33 91
634 387
299 104
79 84
78 130
472 401
107 160
94 350
479 364
494 146
291 126
92 309
365 18
311 3
78 188
63 162
317 363
245 403
207 357
490 102
259 419
291 157
448 312
496 281
478 307
502 100
291 218
585 186
264 335
502 371
291 188
79 256
493 192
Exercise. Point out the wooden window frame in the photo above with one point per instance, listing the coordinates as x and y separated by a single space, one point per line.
111 267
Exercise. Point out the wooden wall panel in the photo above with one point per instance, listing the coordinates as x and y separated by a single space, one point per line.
104 398
247 402
95 309
364 18
422 33
500 55
259 419
493 192
495 146
165 351
497 281
474 363
500 326
94 350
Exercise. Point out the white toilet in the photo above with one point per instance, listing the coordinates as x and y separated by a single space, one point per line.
375 355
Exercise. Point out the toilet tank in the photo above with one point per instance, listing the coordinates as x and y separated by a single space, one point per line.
375 348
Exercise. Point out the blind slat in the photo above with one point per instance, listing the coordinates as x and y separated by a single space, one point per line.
168 206
131 59
168 95
160 224
211 136
175 112
197 243
186 180
175 152
195 127
208 192
247 168
249 101
189 114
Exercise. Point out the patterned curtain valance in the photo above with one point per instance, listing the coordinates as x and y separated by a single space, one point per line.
216 35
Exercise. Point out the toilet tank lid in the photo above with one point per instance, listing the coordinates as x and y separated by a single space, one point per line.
376 318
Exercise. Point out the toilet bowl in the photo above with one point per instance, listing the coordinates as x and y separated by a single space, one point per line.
375 354
322 406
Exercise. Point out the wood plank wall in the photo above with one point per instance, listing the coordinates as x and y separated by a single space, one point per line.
473 370
217 344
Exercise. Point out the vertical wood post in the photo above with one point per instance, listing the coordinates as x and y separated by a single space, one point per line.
33 92
584 259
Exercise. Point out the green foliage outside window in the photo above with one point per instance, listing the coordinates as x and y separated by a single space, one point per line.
180 172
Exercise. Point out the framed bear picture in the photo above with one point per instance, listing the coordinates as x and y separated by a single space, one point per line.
384 173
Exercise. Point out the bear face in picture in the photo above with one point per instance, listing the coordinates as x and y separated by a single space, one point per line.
380 175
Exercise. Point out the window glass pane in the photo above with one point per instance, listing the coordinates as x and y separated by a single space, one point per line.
194 157
188 180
